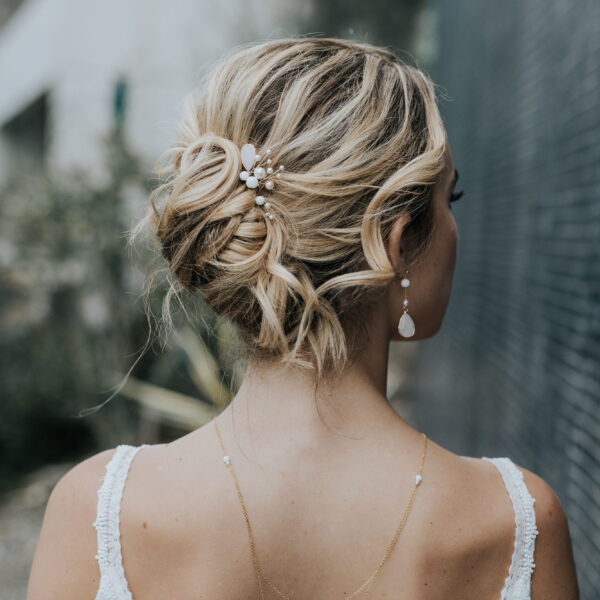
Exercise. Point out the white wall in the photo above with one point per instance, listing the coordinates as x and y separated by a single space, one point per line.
77 49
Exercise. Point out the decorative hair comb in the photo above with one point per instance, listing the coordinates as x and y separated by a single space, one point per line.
255 175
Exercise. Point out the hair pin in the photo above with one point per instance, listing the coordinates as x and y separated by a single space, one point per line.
255 175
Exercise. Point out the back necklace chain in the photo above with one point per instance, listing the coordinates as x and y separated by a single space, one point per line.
365 586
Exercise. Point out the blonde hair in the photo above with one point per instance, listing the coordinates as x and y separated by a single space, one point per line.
362 141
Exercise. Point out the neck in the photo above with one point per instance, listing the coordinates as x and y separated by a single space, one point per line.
279 403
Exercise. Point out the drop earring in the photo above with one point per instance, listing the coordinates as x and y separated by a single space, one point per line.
406 326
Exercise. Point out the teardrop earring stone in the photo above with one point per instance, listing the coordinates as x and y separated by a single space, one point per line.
406 326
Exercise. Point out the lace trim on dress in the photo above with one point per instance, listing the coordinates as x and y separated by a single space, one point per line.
517 585
113 584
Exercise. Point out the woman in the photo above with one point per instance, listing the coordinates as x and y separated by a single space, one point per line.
308 200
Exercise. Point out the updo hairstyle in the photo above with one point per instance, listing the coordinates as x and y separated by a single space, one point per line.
362 141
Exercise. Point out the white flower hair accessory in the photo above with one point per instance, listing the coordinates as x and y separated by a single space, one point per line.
255 175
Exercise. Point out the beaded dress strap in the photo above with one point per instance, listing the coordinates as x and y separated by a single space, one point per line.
517 585
113 584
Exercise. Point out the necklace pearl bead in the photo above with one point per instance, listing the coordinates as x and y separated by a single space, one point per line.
227 460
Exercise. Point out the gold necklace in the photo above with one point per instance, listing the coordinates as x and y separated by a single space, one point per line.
369 581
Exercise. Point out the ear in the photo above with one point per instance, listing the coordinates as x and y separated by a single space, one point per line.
395 250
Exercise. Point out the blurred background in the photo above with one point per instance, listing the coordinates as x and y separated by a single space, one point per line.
90 93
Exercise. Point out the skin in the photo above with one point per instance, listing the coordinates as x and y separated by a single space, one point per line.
325 485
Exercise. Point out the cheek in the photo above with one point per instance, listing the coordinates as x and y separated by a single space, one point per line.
453 242
447 249
443 252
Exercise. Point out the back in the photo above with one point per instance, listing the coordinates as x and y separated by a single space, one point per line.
470 534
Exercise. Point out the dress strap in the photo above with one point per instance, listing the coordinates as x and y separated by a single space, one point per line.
113 585
517 585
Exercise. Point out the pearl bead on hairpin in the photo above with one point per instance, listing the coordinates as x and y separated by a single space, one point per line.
253 175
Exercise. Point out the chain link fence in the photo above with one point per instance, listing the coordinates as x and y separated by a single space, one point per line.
515 370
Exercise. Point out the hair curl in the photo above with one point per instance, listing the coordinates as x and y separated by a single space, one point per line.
362 141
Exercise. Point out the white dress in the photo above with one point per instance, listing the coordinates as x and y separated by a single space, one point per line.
113 584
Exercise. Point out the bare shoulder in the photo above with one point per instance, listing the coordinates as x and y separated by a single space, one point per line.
554 575
64 564
169 491
472 523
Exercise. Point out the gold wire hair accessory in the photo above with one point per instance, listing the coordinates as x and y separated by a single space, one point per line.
366 586
254 174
